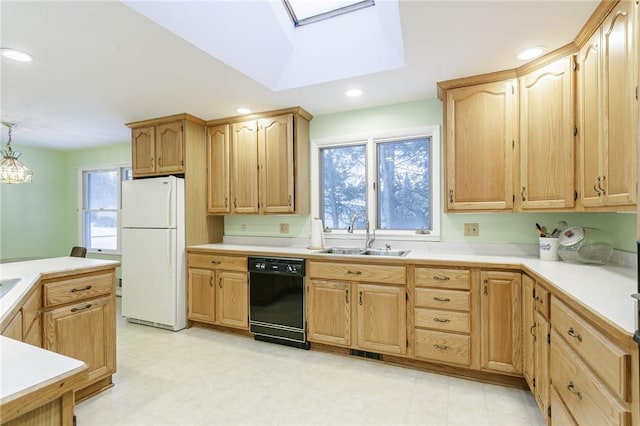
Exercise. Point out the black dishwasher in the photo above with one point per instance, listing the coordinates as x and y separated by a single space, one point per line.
277 300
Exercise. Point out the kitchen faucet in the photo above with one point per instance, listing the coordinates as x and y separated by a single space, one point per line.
370 237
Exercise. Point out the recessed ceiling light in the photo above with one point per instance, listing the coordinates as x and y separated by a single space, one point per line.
16 55
353 93
243 110
530 53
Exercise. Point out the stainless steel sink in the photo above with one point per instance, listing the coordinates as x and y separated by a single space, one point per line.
386 252
7 284
343 250
362 252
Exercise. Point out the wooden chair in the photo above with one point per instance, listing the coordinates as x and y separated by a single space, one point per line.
78 252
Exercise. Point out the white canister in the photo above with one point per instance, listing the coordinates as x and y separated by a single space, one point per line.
548 248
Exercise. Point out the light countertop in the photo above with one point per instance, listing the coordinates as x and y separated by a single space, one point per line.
25 368
31 270
605 289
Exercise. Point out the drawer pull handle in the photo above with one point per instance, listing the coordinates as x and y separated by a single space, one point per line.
346 296
220 282
75 290
216 262
442 299
210 281
441 347
437 278
571 388
574 335
354 272
539 300
532 332
441 320
81 309
360 298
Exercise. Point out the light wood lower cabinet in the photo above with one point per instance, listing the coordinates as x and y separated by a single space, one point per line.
329 312
26 323
80 322
500 321
442 315
359 315
218 290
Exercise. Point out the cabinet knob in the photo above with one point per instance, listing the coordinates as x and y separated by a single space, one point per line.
575 335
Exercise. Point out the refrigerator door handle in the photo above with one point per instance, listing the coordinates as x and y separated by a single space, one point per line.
170 253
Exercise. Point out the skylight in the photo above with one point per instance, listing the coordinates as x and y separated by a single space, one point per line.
303 12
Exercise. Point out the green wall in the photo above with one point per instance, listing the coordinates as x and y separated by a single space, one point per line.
494 227
40 219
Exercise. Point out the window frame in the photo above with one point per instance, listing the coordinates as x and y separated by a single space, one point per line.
121 169
371 140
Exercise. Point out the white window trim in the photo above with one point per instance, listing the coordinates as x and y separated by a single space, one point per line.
80 206
369 139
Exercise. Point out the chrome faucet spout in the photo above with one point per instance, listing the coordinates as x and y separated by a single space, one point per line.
369 238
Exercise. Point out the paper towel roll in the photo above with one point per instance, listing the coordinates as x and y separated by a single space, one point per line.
317 234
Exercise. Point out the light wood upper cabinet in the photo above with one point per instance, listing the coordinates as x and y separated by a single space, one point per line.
268 163
590 123
158 149
275 153
218 185
501 321
546 137
244 160
619 59
481 127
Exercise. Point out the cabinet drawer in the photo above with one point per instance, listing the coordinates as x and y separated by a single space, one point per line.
442 299
77 288
358 272
31 309
610 362
435 345
584 394
560 415
443 320
214 261
448 278
543 301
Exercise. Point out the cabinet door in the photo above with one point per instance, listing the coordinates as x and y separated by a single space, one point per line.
233 299
143 140
382 318
14 328
481 125
542 332
201 300
329 312
621 105
244 167
275 153
590 134
218 196
500 321
170 148
85 331
529 328
546 137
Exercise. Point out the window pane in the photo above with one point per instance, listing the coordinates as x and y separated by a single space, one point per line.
343 184
127 174
100 230
102 192
403 184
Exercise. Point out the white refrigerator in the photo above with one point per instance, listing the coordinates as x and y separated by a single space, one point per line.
153 258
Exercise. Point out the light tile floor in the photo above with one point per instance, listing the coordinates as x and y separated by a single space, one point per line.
203 377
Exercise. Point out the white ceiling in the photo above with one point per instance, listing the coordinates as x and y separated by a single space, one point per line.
99 65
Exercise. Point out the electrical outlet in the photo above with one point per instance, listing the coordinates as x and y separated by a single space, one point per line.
471 229
243 227
284 228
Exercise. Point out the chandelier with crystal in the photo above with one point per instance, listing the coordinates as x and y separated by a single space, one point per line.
11 169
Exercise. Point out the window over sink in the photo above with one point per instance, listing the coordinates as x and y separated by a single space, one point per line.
391 178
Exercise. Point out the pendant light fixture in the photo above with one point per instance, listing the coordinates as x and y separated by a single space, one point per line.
11 169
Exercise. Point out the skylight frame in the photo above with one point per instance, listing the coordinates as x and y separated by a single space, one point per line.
324 15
